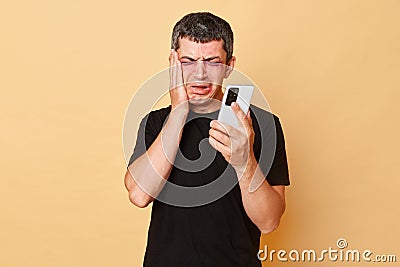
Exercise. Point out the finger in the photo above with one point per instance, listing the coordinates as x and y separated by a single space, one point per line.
173 54
248 117
176 69
220 137
170 56
240 114
172 70
176 77
222 127
179 73
225 150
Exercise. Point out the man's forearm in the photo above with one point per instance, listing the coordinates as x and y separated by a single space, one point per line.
147 175
264 205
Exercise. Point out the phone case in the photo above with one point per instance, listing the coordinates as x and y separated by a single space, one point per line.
243 98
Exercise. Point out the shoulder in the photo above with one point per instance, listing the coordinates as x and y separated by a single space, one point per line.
162 112
158 115
154 120
262 117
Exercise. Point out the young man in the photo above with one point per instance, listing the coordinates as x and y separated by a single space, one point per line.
201 228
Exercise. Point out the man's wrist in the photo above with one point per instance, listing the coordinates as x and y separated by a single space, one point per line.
246 173
179 111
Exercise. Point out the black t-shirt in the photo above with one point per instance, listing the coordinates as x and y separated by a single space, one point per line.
218 233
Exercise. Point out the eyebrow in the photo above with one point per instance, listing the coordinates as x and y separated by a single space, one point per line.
206 59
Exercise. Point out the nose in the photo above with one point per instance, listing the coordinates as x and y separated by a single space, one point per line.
200 73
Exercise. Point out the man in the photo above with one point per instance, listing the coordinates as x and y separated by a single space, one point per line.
225 229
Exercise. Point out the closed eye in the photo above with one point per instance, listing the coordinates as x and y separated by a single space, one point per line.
213 63
187 63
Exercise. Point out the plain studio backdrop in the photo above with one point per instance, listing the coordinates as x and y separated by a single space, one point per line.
68 69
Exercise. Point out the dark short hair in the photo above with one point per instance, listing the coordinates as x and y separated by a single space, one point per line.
203 27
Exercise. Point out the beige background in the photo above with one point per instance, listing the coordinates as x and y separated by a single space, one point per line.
68 69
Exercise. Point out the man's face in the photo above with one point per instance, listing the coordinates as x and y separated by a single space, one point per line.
204 67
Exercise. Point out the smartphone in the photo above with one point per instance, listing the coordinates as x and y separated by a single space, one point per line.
240 94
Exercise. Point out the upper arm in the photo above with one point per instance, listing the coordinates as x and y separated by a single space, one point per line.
280 189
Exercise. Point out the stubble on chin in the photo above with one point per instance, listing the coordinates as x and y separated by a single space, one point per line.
199 100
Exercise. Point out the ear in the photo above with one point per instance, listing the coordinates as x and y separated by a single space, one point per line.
229 67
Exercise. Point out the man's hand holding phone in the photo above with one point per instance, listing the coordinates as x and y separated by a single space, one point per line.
232 133
235 144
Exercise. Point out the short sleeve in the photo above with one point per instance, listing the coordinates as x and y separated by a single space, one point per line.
145 137
269 146
279 172
149 128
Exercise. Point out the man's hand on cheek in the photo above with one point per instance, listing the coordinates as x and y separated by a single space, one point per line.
236 145
177 90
